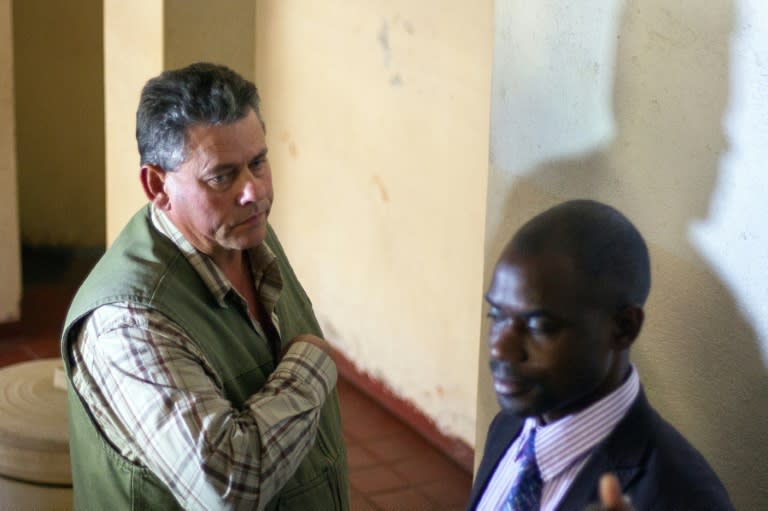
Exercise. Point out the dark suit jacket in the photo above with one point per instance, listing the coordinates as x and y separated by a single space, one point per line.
655 465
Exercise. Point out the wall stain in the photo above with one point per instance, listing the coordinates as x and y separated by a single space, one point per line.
285 138
383 38
382 189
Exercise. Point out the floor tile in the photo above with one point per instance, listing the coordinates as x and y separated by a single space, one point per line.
360 457
430 466
448 493
403 500
372 424
399 447
358 502
375 480
43 347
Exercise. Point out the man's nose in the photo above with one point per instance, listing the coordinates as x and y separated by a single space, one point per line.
252 189
507 342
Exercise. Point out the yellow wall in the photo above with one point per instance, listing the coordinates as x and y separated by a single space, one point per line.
10 275
221 32
133 53
377 116
60 121
653 107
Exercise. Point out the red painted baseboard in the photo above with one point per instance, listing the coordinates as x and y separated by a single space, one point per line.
455 448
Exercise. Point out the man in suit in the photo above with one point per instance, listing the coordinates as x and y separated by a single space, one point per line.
566 304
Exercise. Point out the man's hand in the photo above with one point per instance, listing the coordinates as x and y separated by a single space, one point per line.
311 339
611 498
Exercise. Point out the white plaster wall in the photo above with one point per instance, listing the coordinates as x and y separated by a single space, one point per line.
377 120
10 265
658 108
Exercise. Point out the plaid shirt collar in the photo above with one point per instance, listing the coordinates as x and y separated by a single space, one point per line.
266 274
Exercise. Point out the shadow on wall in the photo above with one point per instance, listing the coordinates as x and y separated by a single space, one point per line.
699 359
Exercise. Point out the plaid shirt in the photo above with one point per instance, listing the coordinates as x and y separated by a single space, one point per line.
160 403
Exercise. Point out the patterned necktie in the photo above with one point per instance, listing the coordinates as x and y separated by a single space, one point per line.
525 494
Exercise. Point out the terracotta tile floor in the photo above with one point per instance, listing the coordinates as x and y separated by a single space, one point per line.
391 466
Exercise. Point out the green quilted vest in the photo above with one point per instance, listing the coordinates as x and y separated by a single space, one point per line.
144 267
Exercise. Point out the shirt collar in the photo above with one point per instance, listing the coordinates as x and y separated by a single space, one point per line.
263 264
561 443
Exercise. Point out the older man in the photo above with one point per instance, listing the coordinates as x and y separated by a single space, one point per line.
199 378
566 304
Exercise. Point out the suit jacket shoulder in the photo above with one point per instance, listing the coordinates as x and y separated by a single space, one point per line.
656 466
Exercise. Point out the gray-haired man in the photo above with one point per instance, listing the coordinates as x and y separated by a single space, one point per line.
199 376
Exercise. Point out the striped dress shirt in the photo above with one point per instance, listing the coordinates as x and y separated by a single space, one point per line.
562 447
160 403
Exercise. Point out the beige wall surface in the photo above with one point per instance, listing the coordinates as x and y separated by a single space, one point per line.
660 110
377 116
60 121
201 30
133 53
10 273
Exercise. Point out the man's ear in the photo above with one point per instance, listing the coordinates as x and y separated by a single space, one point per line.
627 323
153 181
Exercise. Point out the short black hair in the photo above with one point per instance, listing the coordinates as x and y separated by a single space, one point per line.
170 103
605 247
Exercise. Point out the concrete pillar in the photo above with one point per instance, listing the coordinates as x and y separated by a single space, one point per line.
10 275
59 103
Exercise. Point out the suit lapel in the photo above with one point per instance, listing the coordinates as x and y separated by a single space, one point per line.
622 453
501 433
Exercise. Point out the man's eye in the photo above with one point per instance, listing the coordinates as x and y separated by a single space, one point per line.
220 179
542 325
256 165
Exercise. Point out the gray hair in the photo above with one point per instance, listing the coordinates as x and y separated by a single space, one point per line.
175 100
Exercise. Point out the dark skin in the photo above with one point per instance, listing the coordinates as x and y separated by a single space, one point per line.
556 347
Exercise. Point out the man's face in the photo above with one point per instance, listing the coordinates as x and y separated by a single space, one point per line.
550 347
221 195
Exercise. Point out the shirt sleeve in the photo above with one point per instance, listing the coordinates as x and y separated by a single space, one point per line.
160 403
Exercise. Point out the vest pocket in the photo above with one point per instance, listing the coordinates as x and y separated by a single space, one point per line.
323 492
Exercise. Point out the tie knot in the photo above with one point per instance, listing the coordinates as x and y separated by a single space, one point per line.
529 449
